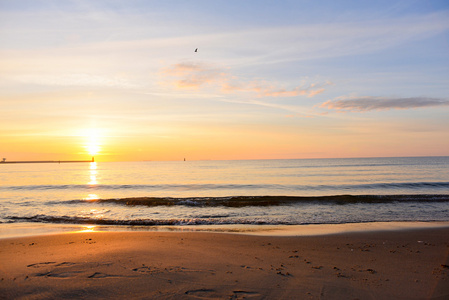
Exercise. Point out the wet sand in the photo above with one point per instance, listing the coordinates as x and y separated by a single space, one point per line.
401 264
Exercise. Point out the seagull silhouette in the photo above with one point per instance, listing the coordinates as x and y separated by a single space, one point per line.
196 50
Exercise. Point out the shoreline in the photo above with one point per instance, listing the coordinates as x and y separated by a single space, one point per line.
18 230
392 264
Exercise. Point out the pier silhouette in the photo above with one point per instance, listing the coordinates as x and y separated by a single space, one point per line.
45 161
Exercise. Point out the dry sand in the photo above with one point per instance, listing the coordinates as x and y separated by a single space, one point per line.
402 264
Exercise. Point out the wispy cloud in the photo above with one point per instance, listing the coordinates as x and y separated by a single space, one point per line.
266 89
305 42
196 75
294 111
46 43
363 104
74 79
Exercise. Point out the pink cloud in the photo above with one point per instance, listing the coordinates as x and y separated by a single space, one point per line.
194 75
190 75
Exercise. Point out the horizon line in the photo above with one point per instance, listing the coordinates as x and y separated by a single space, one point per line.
187 160
304 158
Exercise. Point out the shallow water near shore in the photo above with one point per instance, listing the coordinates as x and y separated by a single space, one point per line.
157 195
36 229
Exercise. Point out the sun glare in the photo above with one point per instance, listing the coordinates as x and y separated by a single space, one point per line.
93 149
93 145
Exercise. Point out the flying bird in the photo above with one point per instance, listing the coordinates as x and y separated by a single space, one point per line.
196 50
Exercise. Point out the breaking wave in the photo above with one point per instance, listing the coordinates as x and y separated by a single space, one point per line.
242 201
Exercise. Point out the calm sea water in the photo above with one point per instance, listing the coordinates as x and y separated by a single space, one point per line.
274 192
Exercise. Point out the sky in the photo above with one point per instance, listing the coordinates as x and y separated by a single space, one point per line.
271 79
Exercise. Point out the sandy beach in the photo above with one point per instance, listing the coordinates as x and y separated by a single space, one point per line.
400 264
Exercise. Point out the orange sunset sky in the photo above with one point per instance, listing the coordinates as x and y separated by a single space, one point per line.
271 79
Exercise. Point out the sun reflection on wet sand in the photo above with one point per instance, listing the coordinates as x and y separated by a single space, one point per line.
88 228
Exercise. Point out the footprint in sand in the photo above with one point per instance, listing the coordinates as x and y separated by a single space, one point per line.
103 275
243 295
213 294
65 264
203 294
58 275
69 270
144 269
47 263
42 264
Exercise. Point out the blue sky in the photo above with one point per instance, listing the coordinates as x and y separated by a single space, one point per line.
271 79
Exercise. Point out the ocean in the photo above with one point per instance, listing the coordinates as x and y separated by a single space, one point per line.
151 195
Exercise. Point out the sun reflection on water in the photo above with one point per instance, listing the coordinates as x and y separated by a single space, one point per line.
92 197
93 173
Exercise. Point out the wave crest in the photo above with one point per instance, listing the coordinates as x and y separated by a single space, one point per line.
243 201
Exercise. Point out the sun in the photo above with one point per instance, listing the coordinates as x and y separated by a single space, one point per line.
93 148
93 144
